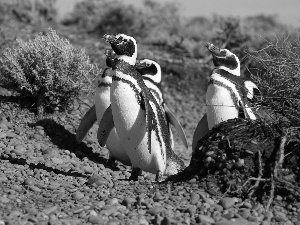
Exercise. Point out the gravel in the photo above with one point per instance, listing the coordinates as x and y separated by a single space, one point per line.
47 178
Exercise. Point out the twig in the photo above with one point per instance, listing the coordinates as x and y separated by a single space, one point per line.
278 164
260 173
271 193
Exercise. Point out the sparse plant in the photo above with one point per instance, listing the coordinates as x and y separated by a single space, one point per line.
279 78
48 69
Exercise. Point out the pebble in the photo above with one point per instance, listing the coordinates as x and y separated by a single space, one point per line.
228 202
2 135
96 219
77 195
280 216
155 210
194 199
29 182
34 188
4 199
56 160
128 201
204 219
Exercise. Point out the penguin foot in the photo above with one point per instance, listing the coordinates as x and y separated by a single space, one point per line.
159 177
135 173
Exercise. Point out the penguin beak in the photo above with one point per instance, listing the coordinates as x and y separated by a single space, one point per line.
110 53
213 49
109 38
110 57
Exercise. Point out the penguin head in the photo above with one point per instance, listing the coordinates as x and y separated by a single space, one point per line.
124 46
224 59
149 68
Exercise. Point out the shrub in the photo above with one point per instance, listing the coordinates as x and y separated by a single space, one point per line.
28 11
279 78
48 69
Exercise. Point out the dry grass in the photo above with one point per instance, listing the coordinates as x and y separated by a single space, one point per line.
279 78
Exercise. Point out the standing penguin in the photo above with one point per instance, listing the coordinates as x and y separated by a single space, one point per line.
151 72
95 113
139 119
228 95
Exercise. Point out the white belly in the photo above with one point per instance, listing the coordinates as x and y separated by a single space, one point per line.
130 122
220 105
102 102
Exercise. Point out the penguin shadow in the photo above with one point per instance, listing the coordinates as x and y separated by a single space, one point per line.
66 140
22 161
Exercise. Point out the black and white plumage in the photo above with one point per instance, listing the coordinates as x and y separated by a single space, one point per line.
138 117
228 94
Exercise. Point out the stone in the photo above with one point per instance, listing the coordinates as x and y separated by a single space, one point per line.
204 219
228 202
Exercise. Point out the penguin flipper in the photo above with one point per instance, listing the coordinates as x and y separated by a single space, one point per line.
105 126
171 118
242 110
200 131
86 123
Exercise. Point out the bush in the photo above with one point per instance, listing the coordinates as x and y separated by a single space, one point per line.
48 69
279 78
28 11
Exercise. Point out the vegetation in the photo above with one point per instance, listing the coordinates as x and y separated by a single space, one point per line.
279 77
48 69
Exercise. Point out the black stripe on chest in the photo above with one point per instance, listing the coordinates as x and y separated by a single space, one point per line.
138 96
152 124
238 82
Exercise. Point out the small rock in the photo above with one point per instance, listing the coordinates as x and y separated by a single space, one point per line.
194 198
268 215
96 219
247 205
204 219
128 201
56 160
155 210
4 199
2 135
29 182
228 202
280 216
34 188
88 169
77 195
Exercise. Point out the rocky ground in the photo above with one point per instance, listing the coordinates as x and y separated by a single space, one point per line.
47 178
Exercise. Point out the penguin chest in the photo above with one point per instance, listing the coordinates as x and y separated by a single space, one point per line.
102 102
221 105
130 122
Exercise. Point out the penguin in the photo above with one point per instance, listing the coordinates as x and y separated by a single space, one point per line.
151 72
228 95
139 119
95 113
